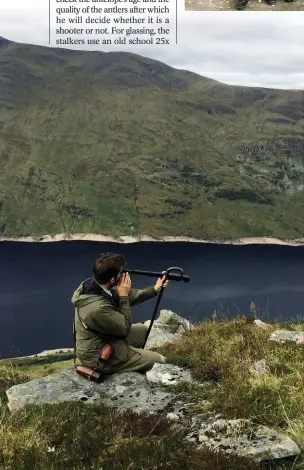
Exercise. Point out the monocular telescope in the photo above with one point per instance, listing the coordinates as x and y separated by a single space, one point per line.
170 275
180 276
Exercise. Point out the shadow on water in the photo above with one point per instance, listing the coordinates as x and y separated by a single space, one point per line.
37 281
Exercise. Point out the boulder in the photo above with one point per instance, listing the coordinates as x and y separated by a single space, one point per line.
168 327
158 337
127 390
259 366
261 324
281 336
242 437
172 322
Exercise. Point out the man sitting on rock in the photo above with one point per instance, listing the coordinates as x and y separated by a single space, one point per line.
103 317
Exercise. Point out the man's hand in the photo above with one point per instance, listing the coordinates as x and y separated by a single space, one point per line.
161 282
124 285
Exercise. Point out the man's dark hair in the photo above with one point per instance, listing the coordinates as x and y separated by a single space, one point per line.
107 266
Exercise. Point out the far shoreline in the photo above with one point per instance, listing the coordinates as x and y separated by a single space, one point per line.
145 238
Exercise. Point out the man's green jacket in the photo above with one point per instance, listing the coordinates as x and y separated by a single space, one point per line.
108 320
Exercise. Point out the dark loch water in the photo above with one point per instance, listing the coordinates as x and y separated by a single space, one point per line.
37 281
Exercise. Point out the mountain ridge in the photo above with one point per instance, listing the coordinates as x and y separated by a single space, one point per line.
120 144
124 53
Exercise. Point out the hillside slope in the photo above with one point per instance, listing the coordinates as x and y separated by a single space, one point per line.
119 144
218 354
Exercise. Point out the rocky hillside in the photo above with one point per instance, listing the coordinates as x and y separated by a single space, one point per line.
120 144
229 397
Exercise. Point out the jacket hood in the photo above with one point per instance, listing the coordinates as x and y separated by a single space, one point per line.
87 290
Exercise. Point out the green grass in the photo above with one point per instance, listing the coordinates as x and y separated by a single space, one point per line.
222 353
78 436
218 353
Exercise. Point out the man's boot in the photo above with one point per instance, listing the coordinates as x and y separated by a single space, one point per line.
272 3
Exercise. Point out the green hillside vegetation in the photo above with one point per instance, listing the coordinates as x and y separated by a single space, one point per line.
119 144
96 437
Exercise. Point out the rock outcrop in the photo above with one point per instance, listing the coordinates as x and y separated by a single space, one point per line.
281 336
168 327
128 390
241 436
146 393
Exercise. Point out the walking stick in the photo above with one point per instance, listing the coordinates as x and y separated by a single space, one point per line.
167 274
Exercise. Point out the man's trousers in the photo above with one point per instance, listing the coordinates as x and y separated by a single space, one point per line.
139 359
